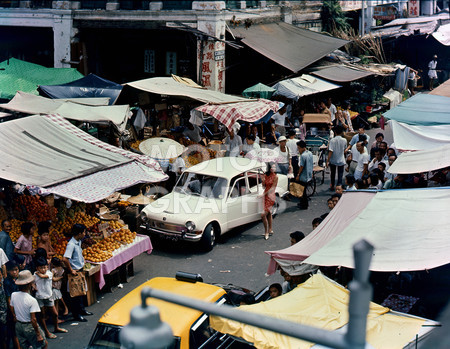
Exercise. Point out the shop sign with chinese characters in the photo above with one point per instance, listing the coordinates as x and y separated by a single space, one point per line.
414 8
149 61
385 13
171 63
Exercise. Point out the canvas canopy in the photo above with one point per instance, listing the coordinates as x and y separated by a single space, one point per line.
292 47
249 111
95 110
19 75
291 259
422 160
414 137
341 73
397 223
303 85
443 34
100 185
322 303
258 91
422 109
170 87
442 90
91 86
316 118
47 150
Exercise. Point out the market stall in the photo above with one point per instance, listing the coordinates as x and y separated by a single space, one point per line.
55 157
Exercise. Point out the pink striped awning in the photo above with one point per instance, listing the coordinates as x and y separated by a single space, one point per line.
229 113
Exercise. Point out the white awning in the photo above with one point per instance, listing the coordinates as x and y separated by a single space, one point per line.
291 258
170 87
398 224
422 160
412 137
45 150
303 85
443 34
95 110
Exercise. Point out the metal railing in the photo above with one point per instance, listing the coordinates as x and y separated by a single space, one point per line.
147 331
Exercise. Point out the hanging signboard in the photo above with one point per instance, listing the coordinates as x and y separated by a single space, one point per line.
385 13
149 61
171 63
413 8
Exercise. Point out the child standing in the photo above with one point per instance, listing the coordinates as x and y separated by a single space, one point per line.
58 274
24 244
44 239
43 280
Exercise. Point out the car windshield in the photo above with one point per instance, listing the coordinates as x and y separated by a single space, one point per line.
107 337
202 185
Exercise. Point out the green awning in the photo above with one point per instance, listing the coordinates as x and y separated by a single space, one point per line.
259 91
17 75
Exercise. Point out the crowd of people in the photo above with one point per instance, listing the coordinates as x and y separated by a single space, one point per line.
33 285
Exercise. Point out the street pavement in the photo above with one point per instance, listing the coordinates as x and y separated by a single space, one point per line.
238 259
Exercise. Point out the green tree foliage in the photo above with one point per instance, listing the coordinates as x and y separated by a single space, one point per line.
333 18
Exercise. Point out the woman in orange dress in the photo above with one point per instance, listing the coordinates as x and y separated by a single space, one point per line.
269 183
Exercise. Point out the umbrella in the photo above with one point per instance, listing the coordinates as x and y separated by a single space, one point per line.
259 91
265 155
161 148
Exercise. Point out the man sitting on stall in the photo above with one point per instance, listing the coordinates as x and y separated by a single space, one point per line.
249 144
193 133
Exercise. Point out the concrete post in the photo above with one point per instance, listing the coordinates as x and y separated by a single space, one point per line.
112 5
210 52
286 12
156 5
62 31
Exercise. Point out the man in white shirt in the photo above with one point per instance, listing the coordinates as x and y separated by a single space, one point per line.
233 141
285 165
432 72
280 120
332 108
355 139
336 158
249 144
291 144
363 161
376 160
24 308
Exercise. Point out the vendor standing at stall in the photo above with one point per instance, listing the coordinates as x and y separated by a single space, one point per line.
74 262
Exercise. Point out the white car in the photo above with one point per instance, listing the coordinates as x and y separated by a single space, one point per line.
209 199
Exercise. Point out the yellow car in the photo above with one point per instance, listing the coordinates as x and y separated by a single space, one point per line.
190 327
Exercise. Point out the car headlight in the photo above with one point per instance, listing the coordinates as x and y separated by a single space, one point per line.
190 226
144 217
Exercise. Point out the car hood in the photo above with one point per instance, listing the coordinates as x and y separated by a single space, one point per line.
180 206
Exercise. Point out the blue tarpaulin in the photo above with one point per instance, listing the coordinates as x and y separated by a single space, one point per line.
422 109
88 86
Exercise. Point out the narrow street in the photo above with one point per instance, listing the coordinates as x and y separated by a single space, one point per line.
238 258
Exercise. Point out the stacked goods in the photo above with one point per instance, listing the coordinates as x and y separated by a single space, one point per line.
124 235
96 254
122 203
33 209
115 225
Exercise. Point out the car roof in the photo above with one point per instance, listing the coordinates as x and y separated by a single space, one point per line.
176 316
226 167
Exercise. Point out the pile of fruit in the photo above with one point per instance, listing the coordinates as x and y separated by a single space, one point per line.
116 225
33 209
96 254
108 244
124 235
122 203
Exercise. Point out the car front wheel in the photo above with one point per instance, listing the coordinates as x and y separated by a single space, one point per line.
208 238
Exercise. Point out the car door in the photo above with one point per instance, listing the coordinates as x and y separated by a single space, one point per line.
242 203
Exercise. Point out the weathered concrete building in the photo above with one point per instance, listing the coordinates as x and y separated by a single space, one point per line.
129 40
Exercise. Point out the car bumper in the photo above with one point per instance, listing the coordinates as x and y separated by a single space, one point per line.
172 232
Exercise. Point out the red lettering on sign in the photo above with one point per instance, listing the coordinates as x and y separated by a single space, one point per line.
209 55
220 75
206 80
206 68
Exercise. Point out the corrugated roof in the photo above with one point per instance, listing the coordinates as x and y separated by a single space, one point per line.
341 73
292 47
